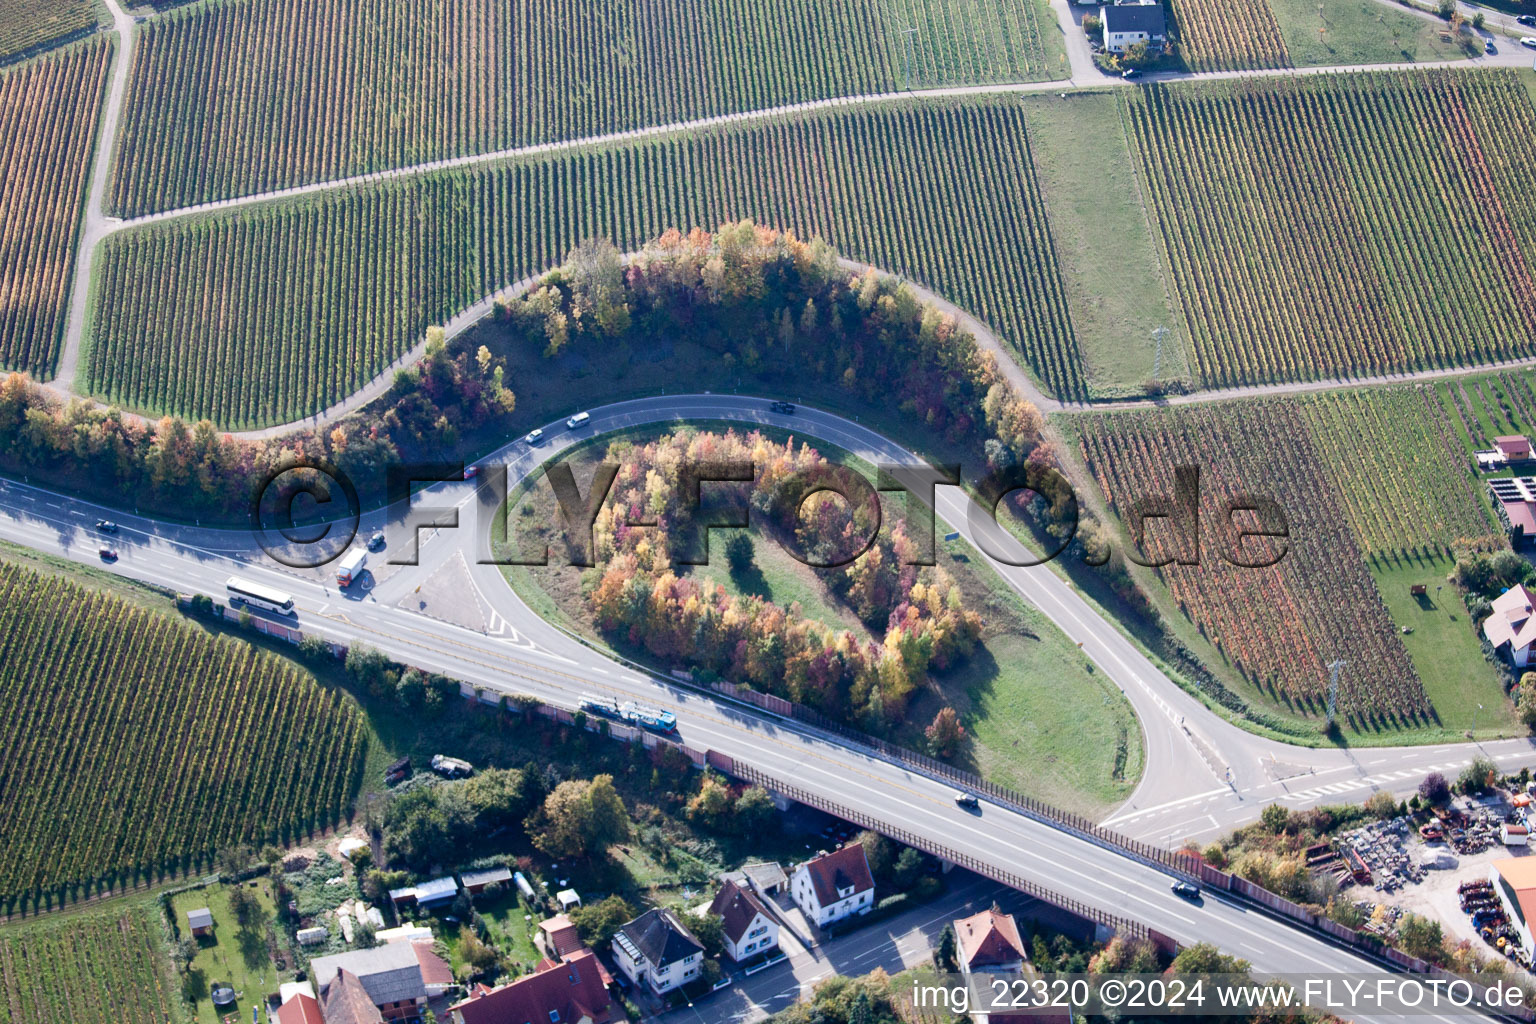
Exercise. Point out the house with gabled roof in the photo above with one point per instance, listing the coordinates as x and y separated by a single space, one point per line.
1512 624
1126 24
345 1000
834 886
302 1008
398 977
745 924
566 993
989 943
657 950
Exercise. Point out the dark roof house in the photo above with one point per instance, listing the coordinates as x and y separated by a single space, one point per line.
737 908
1141 17
660 937
344 1000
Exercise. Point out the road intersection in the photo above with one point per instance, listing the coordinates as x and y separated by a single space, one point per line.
1184 792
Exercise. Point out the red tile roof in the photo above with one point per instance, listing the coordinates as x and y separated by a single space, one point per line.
434 969
572 990
839 870
561 935
988 939
301 1009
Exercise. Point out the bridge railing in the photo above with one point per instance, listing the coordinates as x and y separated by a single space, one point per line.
1120 925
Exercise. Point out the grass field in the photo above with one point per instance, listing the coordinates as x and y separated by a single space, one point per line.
96 967
1099 220
48 111
138 746
201 317
1359 32
775 576
27 26
1345 225
1445 648
269 93
237 955
1246 34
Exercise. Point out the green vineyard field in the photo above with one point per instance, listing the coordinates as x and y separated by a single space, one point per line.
48 112
30 25
247 96
1394 460
136 746
1344 225
1278 626
272 314
90 968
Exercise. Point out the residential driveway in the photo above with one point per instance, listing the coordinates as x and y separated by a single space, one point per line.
894 944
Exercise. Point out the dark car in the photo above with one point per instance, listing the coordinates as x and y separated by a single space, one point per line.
1186 890
967 800
1131 73
785 408
376 540
1527 19
106 526
107 554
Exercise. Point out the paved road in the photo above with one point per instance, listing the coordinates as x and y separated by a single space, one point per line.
520 653
97 225
1203 774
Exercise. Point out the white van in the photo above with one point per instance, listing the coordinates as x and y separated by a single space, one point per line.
579 420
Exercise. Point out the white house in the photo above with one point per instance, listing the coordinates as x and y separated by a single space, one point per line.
834 886
1128 24
989 943
1512 622
656 950
745 924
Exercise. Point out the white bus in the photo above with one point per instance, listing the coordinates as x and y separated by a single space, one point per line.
257 596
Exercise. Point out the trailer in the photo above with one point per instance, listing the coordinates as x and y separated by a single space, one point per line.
351 566
650 718
451 767
605 707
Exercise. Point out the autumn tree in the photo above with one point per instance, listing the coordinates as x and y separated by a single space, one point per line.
1526 705
580 819
946 733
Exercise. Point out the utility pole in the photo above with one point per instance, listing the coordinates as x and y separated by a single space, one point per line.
1157 359
906 75
1473 733
1333 686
